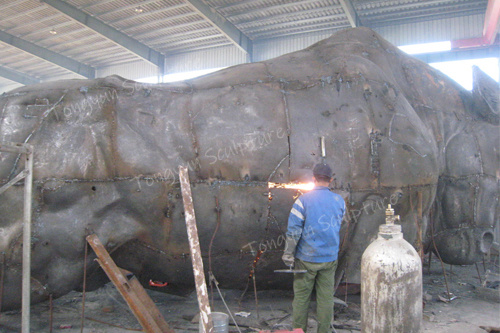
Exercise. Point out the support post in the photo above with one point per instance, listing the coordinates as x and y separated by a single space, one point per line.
194 244
28 183
27 174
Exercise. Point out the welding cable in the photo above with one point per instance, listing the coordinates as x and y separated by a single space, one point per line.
217 209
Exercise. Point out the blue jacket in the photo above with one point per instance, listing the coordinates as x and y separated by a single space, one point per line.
314 223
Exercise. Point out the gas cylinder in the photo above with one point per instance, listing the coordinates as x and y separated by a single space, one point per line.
391 282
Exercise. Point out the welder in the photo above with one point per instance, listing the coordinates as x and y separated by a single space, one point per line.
312 244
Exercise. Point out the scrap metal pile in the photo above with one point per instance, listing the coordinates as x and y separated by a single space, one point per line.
107 153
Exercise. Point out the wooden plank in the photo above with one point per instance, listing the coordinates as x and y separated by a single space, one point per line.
123 286
194 245
148 302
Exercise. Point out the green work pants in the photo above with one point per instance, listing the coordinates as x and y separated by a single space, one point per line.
322 277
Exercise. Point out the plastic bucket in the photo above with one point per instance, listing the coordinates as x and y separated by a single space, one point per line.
221 323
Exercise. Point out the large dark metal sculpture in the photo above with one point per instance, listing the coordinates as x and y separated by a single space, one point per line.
107 153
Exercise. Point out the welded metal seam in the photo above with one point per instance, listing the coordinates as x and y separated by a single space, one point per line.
112 119
221 183
288 129
194 138
466 177
34 131
277 167
476 202
447 229
400 143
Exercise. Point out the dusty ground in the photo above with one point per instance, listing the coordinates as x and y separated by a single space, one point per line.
465 314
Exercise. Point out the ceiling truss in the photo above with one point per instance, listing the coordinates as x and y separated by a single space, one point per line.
87 34
143 51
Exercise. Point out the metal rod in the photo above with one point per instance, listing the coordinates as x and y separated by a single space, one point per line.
419 225
26 292
429 263
194 244
84 285
217 209
51 313
2 280
216 283
441 261
255 293
346 289
323 149
478 274
17 178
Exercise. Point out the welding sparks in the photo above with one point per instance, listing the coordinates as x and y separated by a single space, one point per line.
292 186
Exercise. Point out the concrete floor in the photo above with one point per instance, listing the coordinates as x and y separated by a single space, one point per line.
463 315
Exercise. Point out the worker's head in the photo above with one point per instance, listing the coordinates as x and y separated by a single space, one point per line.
322 173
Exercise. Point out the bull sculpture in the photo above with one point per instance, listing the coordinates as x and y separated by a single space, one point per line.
107 151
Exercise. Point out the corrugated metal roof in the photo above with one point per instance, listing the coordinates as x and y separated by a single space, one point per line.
177 26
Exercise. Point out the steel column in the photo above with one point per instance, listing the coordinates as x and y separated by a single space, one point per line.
28 183
27 150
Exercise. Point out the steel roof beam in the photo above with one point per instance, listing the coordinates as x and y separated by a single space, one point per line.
290 16
491 21
490 29
350 12
13 3
118 37
116 10
184 49
261 8
143 35
435 5
403 11
227 28
376 22
47 31
20 14
17 76
161 20
298 30
182 35
193 40
454 55
100 3
46 54
149 12
332 20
